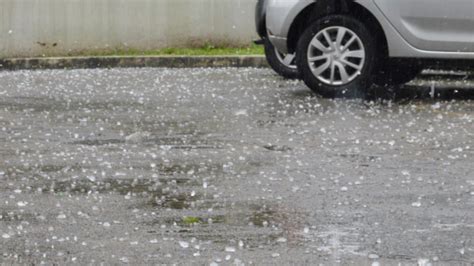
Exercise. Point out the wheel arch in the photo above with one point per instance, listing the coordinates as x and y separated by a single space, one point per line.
331 7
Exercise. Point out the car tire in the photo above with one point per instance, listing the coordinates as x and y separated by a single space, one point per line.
350 59
283 64
397 73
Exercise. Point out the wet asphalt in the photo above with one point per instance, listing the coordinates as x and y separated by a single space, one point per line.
232 167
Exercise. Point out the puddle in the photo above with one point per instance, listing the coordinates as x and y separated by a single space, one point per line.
188 169
29 104
175 201
166 193
253 225
119 186
187 142
163 169
37 169
247 217
360 158
256 218
283 148
172 189
16 216
98 142
40 104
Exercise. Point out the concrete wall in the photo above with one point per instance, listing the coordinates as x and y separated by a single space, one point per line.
57 27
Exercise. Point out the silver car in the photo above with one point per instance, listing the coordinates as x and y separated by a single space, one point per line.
343 47
283 63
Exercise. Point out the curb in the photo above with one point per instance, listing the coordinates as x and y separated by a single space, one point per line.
132 61
253 61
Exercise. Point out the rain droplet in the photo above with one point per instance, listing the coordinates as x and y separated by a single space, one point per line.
373 256
424 262
22 203
184 244
230 249
242 112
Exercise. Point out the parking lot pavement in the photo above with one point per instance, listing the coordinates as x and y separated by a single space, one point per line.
231 166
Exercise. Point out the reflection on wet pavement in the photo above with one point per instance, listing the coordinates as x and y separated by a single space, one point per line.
231 166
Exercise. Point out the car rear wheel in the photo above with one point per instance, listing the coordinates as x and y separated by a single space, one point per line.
336 57
281 63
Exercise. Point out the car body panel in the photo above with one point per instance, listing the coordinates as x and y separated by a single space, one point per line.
280 17
407 37
433 25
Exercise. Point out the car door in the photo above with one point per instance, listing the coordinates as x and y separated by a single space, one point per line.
433 25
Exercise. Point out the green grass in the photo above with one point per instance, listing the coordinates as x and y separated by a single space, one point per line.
207 50
189 220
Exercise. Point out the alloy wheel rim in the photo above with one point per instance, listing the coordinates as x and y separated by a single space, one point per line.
336 56
288 60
